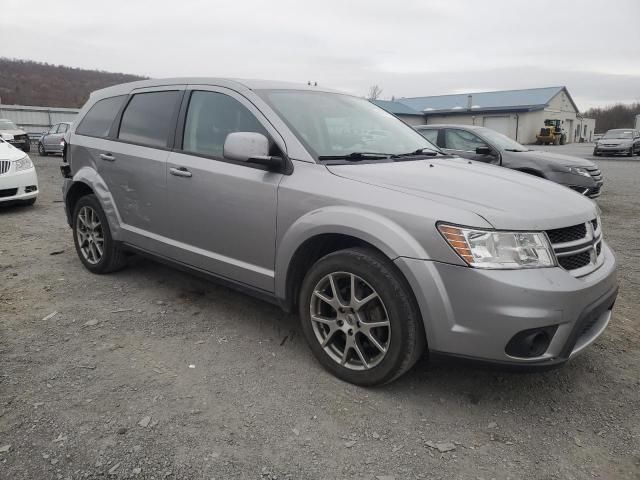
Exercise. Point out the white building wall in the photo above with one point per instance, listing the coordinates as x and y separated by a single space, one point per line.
412 119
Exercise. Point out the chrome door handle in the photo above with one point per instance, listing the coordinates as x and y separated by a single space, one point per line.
180 172
108 157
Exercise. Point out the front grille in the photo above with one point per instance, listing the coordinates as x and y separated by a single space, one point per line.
8 192
595 173
573 262
567 234
577 247
5 165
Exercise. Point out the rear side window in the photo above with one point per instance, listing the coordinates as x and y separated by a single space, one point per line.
211 117
431 135
97 122
149 119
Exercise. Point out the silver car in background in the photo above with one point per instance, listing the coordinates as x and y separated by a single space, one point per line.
327 205
53 140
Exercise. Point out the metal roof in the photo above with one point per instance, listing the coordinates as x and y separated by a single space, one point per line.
397 108
506 100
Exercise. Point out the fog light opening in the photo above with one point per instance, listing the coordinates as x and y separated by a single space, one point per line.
531 343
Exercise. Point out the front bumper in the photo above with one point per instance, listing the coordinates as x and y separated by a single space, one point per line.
16 186
617 150
474 313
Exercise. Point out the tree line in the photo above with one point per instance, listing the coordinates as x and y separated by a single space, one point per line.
24 82
619 115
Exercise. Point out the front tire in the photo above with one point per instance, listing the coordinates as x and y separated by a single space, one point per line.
41 151
360 318
96 248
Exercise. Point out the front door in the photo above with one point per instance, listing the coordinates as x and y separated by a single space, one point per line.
464 144
222 212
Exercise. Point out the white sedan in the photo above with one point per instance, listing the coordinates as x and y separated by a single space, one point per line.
18 178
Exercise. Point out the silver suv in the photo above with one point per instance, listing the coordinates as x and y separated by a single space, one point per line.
328 205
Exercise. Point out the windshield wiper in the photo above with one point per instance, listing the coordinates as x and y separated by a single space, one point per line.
356 156
427 152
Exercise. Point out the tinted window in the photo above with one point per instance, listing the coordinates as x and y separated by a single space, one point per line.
211 117
97 122
462 140
149 118
431 135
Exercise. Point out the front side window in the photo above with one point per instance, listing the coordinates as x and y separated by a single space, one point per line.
98 120
53 129
462 140
431 135
149 119
334 124
210 118
63 128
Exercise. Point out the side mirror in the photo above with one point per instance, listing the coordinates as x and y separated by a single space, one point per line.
484 150
250 147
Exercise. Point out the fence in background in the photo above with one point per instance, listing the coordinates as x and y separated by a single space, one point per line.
37 120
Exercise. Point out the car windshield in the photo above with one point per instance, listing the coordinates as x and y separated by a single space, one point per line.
500 141
618 134
335 125
7 125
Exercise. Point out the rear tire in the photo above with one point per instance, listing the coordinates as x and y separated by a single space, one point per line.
343 336
94 244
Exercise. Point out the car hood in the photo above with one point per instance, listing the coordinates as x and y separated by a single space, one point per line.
13 132
552 157
615 141
9 152
505 198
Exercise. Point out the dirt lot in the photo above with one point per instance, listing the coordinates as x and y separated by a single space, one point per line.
151 373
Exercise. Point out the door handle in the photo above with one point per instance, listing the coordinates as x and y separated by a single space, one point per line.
107 157
180 172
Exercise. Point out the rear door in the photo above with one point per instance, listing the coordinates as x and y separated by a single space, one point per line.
133 163
222 212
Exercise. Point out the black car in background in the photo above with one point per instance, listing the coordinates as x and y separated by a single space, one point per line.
486 145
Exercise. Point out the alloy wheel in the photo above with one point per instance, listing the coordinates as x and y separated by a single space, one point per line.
90 235
350 321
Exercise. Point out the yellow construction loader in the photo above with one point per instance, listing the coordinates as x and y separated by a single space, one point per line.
551 133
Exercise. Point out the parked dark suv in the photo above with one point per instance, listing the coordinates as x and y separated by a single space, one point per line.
486 145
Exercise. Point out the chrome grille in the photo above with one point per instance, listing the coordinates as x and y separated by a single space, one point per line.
5 165
595 173
578 248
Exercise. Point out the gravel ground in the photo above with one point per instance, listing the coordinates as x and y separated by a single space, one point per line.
152 373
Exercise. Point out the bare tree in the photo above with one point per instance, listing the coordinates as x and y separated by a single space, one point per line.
374 92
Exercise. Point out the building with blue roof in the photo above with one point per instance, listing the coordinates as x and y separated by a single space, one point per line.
519 114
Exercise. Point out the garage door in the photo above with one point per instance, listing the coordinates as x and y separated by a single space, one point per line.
499 124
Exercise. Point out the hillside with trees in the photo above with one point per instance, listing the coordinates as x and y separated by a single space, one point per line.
614 116
23 82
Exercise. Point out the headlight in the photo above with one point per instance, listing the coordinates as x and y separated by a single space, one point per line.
499 250
579 171
24 163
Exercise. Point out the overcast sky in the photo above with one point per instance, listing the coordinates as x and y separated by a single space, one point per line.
407 47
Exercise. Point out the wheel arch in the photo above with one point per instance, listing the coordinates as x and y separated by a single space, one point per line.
310 238
87 181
